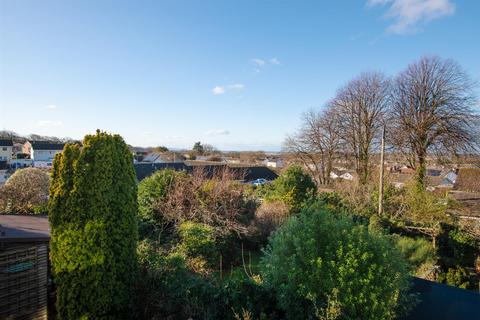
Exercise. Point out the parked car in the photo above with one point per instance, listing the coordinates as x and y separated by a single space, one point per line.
259 182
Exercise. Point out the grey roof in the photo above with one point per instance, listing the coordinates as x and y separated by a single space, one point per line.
6 143
22 228
47 145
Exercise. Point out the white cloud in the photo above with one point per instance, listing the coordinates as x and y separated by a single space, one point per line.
274 61
218 90
223 89
258 62
408 14
49 123
217 132
238 86
51 107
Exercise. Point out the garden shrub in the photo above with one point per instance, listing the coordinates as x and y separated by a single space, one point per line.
168 289
151 190
92 213
294 187
418 252
321 259
26 191
243 293
457 277
268 217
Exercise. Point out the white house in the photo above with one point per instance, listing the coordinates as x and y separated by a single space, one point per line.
274 163
6 150
42 151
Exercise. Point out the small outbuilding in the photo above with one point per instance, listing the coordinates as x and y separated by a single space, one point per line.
23 266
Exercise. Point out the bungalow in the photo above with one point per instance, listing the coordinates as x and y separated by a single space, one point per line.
6 150
42 151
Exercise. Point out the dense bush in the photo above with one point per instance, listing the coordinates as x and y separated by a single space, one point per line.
26 191
151 190
457 277
217 201
268 217
294 187
243 293
169 290
92 212
323 264
419 252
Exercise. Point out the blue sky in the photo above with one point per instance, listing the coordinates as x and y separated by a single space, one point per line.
235 74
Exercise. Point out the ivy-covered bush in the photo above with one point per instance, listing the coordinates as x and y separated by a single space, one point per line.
322 264
92 213
294 187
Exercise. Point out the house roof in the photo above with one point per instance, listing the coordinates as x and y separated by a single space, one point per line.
21 228
46 145
468 179
6 143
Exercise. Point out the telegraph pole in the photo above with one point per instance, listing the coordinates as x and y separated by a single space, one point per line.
380 187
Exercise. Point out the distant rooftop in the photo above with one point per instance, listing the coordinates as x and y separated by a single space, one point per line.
47 145
22 228
6 142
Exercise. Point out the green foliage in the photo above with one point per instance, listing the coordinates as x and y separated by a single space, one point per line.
169 289
241 292
457 277
198 240
151 190
417 251
198 147
320 260
461 248
294 187
92 213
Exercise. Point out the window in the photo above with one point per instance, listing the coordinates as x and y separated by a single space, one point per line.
4 148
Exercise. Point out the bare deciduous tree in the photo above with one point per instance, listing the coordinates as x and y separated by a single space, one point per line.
432 112
317 143
361 105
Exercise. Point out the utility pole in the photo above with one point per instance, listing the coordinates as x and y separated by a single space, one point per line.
380 187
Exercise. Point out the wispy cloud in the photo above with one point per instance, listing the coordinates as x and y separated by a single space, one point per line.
217 132
410 15
223 89
258 62
51 107
237 86
274 61
218 90
49 123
